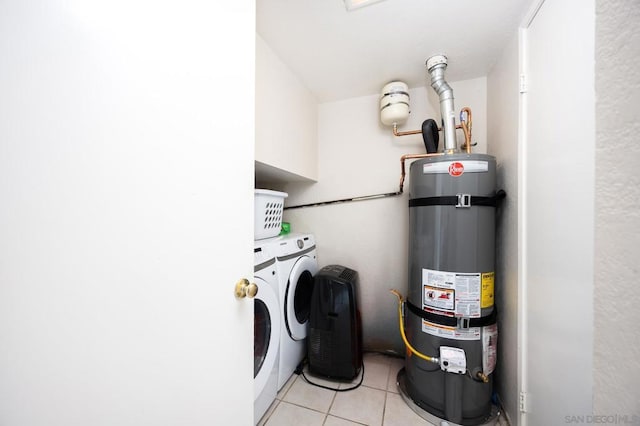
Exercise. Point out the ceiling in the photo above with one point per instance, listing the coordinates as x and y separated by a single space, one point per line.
339 54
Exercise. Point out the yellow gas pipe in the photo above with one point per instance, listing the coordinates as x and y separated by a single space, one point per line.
480 375
404 337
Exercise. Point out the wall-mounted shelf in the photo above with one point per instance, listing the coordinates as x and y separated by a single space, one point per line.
266 174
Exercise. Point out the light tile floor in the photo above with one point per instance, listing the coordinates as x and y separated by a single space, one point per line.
376 402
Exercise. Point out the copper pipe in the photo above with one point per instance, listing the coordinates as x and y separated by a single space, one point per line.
411 157
466 128
414 132
371 197
467 138
409 132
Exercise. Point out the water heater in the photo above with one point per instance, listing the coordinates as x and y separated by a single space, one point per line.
450 301
450 321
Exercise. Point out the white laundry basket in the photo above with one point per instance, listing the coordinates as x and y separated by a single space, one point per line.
268 213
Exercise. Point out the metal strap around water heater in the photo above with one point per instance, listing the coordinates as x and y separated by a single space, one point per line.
459 200
492 318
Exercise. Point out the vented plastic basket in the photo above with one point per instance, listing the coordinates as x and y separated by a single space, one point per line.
268 213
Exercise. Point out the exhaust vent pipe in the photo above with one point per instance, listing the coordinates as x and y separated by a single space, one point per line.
436 65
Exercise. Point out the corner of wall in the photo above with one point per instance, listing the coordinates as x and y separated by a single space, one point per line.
502 142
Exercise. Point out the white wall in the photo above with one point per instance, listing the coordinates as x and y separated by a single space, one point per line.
359 156
558 211
286 118
617 200
502 121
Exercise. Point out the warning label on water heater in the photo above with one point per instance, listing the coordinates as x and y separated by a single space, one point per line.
487 289
489 348
472 333
453 292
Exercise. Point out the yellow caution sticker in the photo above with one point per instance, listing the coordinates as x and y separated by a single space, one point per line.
487 289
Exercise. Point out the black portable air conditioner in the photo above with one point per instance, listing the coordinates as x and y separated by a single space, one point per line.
334 346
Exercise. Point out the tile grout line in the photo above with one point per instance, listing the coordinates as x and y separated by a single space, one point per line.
335 393
333 399
384 408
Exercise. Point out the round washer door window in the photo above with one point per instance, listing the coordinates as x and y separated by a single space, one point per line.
298 297
261 334
266 333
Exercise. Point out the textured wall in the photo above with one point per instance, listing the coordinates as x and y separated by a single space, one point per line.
617 220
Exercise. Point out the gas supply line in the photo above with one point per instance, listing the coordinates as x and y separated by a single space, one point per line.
428 358
480 376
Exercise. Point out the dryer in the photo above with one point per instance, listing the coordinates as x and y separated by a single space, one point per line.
296 264
267 329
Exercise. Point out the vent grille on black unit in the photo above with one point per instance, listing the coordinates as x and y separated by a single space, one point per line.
347 274
320 348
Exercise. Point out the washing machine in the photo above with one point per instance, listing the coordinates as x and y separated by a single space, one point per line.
267 329
296 265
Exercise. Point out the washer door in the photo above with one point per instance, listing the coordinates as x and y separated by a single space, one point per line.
297 298
266 334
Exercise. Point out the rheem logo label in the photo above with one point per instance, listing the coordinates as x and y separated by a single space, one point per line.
456 169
